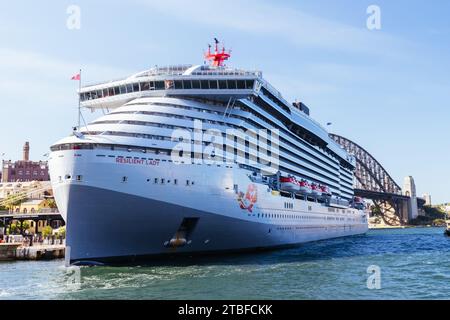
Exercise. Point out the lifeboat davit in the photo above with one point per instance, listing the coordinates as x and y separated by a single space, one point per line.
315 189
289 184
304 186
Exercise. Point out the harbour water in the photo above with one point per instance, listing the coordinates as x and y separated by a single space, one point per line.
414 264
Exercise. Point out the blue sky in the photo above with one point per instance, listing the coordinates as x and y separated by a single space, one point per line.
388 89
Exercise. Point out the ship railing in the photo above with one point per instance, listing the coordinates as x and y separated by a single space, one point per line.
227 73
93 84
179 71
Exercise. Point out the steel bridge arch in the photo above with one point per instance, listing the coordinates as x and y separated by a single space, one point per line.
370 174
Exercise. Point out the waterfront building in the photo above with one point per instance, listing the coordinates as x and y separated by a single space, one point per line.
33 199
24 170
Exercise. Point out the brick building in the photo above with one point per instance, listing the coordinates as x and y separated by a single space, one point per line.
24 170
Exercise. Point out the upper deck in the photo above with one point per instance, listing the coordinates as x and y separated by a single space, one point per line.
215 82
172 80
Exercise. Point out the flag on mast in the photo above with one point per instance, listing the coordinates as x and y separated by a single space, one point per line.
76 77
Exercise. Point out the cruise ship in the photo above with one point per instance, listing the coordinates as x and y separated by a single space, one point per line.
199 159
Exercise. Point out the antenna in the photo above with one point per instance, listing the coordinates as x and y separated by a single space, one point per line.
217 58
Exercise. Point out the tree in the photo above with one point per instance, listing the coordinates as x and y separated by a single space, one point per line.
13 228
62 232
47 231
25 225
376 210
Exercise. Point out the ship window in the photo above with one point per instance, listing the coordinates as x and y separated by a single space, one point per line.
156 180
111 91
187 182
178 84
222 84
135 87
175 181
195 84
159 85
145 86
99 94
129 88
204 84
105 93
240 84
79 177
213 84
122 89
162 181
231 84
116 90
249 84
124 179
187 84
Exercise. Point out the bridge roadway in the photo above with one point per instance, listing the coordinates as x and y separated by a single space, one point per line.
375 195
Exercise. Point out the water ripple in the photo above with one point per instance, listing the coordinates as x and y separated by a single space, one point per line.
414 264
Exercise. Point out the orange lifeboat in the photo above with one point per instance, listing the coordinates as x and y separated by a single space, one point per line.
315 189
289 184
325 190
304 186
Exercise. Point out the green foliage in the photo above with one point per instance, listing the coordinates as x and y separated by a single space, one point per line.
432 214
61 232
13 228
47 231
376 211
25 225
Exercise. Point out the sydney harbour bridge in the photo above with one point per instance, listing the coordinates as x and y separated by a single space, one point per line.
375 183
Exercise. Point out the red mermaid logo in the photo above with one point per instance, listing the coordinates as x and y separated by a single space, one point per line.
249 199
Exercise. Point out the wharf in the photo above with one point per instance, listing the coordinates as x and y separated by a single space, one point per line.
16 251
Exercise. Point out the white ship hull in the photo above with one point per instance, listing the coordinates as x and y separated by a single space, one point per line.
117 211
